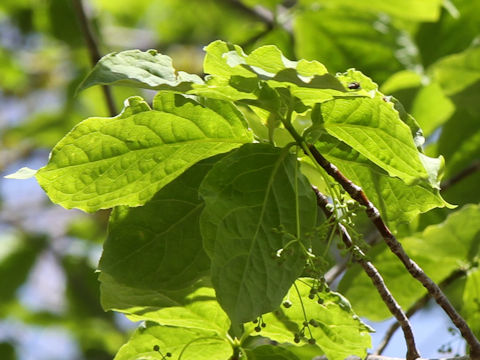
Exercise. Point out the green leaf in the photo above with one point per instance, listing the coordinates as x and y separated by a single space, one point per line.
256 202
270 352
374 129
454 241
17 257
411 10
152 342
341 39
457 29
339 333
470 308
125 160
456 72
158 245
431 108
194 307
141 69
238 74
398 202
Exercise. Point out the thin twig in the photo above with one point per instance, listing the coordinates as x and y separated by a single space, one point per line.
469 170
379 357
257 12
357 194
377 280
92 46
419 304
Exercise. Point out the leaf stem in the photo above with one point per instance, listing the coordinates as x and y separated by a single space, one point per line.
92 46
372 272
434 290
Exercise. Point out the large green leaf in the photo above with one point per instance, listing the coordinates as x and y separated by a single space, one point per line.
256 202
470 308
341 38
425 10
457 28
194 307
456 72
339 332
125 160
152 341
398 202
158 246
453 242
374 129
149 70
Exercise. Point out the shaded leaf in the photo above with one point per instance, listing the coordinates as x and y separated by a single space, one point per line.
256 202
427 10
341 38
456 72
141 69
158 246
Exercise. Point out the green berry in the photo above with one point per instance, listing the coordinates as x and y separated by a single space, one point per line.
258 328
311 341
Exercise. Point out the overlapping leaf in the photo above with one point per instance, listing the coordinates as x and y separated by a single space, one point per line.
256 203
397 202
374 129
141 69
233 70
125 160
455 242
193 307
158 246
339 332
152 341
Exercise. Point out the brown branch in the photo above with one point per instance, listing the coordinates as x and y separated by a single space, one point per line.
419 304
257 12
357 194
379 357
469 170
92 47
377 280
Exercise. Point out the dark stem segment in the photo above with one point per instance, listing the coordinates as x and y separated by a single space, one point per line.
377 280
433 289
469 170
93 51
419 304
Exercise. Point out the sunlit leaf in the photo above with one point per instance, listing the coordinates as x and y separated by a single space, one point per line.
125 160
338 332
153 342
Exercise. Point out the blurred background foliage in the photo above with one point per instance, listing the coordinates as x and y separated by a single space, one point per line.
426 53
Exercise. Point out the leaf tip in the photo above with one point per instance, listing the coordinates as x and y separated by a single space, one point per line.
22 174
